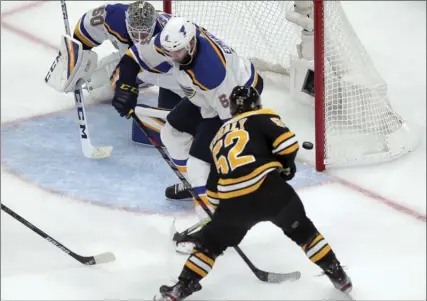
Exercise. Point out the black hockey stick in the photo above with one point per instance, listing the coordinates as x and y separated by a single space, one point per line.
88 260
260 274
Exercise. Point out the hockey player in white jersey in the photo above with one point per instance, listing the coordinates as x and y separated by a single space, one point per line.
207 70
124 25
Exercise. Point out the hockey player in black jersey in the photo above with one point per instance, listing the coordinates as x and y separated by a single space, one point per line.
253 156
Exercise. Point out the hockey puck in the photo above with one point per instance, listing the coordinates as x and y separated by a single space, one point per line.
307 145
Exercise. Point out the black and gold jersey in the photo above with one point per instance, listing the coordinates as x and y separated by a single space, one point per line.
245 150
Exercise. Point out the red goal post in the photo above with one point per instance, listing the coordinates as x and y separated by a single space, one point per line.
354 121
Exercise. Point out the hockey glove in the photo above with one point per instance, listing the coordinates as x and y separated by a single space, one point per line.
124 100
288 173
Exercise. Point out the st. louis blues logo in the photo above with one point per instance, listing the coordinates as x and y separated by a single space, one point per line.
189 92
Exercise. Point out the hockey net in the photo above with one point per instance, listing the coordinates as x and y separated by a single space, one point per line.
354 120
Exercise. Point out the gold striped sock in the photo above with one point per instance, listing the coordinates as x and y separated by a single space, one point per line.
317 249
199 263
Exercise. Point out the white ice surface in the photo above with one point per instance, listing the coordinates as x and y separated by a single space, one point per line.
384 250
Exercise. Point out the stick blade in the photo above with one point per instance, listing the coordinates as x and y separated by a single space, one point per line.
277 277
173 232
100 152
104 257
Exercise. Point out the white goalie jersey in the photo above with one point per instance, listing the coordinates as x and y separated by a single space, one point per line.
76 60
104 23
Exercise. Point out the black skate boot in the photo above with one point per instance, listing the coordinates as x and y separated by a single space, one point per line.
338 277
177 192
179 291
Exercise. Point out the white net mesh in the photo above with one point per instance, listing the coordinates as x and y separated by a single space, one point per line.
360 125
255 29
359 122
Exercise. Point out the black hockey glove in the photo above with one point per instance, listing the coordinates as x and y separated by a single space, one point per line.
125 97
287 173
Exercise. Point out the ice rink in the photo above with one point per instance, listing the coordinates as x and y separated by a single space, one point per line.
374 216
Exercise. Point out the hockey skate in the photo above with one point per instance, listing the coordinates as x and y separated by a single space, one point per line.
184 247
338 277
184 242
177 192
179 291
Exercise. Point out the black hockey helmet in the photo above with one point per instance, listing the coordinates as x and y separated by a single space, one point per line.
243 99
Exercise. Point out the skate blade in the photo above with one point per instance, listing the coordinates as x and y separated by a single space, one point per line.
180 200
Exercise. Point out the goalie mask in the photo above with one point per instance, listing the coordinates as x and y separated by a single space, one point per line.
178 39
243 99
141 19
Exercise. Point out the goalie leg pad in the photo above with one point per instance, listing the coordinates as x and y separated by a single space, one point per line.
167 100
99 84
154 126
70 65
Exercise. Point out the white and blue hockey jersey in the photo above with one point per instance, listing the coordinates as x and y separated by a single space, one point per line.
215 70
208 81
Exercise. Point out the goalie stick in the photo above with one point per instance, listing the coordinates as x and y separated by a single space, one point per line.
264 276
87 260
89 151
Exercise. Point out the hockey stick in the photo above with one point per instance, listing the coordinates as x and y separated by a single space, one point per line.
87 260
179 236
151 112
89 151
260 274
